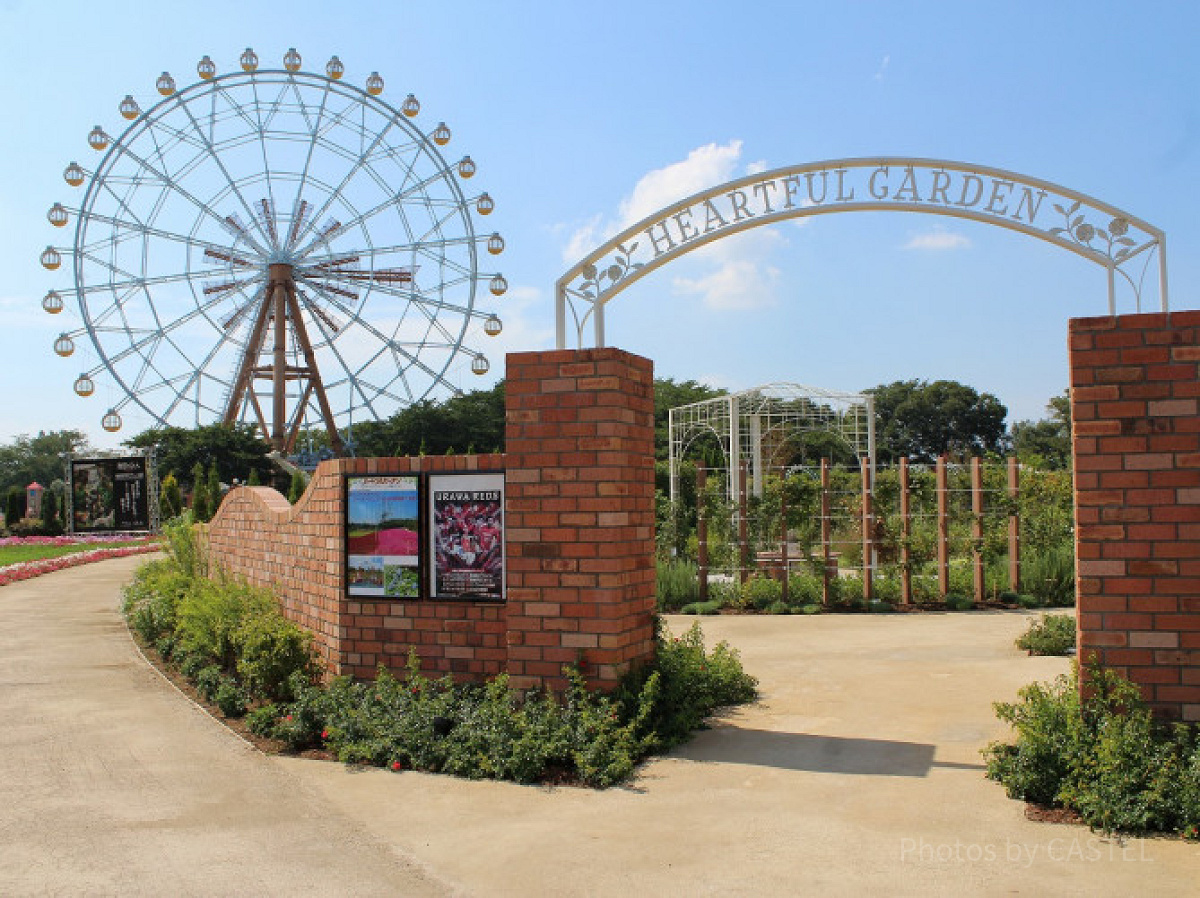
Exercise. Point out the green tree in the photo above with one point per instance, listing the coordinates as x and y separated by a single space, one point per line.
38 458
212 486
234 448
669 394
921 420
171 499
298 485
14 506
1046 443
253 479
472 420
50 512
200 504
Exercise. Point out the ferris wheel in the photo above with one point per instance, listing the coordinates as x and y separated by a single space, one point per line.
274 246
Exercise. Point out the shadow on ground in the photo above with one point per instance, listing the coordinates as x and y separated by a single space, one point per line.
816 754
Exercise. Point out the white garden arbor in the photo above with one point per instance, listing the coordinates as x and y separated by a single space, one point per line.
1132 252
756 426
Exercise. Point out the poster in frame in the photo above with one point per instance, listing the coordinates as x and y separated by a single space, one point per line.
109 494
466 536
383 536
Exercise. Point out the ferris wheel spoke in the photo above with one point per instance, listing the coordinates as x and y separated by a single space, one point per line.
313 125
321 325
194 378
338 191
378 334
229 179
178 188
141 229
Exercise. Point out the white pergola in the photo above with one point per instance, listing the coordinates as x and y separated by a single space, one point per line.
745 423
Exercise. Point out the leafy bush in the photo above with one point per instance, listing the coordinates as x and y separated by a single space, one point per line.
761 591
493 731
811 609
805 588
678 584
712 606
956 602
1049 574
1052 634
1102 755
270 648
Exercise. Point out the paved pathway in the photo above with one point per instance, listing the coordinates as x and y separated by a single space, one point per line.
858 773
111 783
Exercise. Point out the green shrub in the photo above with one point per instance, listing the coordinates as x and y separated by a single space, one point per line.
805 588
270 649
1103 755
212 613
780 607
712 606
208 681
678 584
151 599
1052 634
811 608
494 731
1050 575
879 607
230 698
956 602
1027 601
761 591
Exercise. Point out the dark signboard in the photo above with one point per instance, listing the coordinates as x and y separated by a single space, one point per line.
109 494
466 513
383 536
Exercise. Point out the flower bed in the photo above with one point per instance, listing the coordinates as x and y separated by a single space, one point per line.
26 570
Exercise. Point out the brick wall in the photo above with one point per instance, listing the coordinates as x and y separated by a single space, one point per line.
579 520
580 482
1135 388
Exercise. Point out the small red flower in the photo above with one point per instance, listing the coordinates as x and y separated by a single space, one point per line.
324 734
288 717
396 765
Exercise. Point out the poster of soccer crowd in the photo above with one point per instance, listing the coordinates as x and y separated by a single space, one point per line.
467 515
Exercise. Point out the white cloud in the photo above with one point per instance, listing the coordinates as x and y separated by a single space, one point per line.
937 241
704 167
739 274
733 273
883 67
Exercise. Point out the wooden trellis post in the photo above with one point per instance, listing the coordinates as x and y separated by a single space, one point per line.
977 528
702 530
943 527
1014 526
826 535
868 530
905 536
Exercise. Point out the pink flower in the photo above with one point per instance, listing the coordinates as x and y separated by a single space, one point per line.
324 734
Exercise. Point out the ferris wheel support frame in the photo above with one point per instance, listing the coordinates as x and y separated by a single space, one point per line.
278 306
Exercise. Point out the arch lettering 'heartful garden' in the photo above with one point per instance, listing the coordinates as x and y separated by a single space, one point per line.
1110 237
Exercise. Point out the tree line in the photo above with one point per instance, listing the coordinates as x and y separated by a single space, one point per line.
915 419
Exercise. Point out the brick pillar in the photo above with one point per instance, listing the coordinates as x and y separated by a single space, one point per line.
580 514
1135 385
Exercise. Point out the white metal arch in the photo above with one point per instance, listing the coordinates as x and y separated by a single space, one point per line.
1084 225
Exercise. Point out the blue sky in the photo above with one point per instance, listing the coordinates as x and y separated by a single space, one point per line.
578 116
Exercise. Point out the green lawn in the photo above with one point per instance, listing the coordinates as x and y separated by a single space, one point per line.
17 554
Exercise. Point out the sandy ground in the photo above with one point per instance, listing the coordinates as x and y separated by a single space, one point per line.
857 772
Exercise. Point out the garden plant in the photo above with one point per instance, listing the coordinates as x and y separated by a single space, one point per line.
234 644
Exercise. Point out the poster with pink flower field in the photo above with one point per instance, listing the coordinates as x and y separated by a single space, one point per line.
383 536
